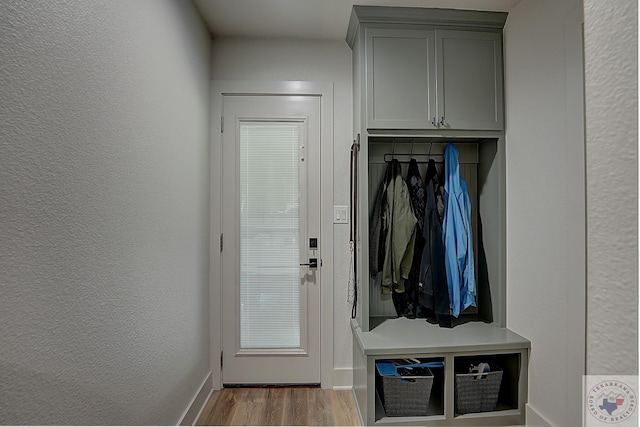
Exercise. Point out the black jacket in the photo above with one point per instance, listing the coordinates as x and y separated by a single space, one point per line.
433 291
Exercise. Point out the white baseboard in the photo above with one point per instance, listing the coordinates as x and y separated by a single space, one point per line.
198 402
535 419
342 378
355 399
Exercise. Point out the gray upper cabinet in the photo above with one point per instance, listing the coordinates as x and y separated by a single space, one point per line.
401 79
469 80
428 69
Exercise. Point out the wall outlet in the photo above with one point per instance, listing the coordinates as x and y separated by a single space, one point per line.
341 214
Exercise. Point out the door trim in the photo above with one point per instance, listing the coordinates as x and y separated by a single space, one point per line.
324 90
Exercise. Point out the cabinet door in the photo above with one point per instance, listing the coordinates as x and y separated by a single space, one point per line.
400 77
469 80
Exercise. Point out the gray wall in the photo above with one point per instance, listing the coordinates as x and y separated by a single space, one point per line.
545 200
322 61
103 211
611 92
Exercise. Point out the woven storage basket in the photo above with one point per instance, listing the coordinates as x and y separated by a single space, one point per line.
405 396
477 392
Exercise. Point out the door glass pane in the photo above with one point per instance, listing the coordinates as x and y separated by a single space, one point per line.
270 212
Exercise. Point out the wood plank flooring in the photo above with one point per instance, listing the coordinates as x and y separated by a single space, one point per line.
295 406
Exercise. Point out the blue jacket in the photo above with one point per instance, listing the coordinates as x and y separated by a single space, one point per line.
457 236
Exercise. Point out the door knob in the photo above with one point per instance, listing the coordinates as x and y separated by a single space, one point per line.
313 263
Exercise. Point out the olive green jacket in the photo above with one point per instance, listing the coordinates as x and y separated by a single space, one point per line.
400 222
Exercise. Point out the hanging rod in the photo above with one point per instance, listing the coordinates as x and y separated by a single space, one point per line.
425 156
439 159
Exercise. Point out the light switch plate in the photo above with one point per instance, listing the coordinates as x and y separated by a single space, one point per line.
341 214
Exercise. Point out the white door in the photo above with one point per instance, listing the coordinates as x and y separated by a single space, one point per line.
271 228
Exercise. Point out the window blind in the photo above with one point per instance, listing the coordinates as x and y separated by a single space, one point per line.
270 228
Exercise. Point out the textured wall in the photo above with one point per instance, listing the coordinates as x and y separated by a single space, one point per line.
611 92
103 211
322 61
545 200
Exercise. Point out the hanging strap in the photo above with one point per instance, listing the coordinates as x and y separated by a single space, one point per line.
353 233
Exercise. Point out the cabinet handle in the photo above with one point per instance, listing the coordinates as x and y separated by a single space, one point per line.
442 123
434 123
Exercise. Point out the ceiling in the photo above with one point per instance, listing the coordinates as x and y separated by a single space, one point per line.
309 19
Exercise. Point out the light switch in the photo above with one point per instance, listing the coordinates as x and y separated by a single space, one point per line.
341 214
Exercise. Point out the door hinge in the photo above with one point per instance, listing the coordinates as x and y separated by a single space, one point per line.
221 124
221 359
221 241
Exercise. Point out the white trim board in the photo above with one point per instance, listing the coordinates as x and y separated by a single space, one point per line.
198 402
240 87
342 378
355 399
534 419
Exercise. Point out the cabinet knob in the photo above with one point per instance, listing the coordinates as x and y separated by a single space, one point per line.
442 123
434 123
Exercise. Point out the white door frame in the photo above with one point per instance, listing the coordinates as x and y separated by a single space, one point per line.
219 88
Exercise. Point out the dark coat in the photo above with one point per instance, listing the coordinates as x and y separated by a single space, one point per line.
433 291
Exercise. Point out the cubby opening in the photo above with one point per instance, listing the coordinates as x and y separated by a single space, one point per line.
435 397
510 366
481 166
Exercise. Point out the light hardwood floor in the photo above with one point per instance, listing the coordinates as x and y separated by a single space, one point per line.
293 406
